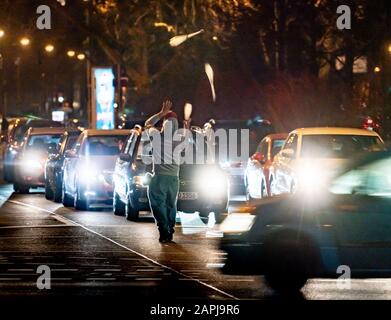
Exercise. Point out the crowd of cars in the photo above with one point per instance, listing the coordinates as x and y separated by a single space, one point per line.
311 205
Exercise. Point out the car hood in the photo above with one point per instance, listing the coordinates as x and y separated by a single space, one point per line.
106 163
329 166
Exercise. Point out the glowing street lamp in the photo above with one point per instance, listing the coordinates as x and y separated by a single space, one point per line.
71 53
2 33
178 40
377 69
49 48
81 56
25 41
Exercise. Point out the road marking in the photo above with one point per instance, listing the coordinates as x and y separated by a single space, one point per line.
107 270
226 294
55 215
36 226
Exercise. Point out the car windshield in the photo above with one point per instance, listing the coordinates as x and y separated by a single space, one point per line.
338 146
103 145
43 142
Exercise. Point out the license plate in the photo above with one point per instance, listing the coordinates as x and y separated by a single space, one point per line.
187 195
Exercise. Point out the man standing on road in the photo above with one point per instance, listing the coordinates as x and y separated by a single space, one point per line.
164 186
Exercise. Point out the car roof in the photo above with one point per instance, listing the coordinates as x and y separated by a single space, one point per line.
277 136
96 132
51 130
335 131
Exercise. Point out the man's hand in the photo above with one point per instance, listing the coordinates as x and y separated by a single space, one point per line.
167 105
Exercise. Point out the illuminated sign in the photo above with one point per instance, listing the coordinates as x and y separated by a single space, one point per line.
58 116
103 98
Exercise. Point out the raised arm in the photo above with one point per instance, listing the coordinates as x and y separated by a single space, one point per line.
152 121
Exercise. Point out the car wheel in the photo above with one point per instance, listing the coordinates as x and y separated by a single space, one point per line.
67 200
288 262
81 203
57 193
49 194
131 212
22 189
119 207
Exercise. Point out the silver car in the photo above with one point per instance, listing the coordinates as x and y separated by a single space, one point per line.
89 166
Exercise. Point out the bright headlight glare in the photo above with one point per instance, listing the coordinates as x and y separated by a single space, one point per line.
237 223
88 173
141 180
32 162
311 177
213 182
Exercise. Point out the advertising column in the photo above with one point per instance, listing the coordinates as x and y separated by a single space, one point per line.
103 98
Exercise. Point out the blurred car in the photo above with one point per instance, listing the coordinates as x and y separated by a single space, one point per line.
290 239
89 166
16 133
310 156
54 166
30 161
203 188
257 172
235 167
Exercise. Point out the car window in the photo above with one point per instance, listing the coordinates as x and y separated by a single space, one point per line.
263 147
338 146
103 145
43 142
372 180
276 146
291 142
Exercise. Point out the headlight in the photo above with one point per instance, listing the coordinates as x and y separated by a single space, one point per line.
32 163
213 182
311 176
88 174
237 223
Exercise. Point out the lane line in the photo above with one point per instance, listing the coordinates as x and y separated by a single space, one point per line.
128 249
56 216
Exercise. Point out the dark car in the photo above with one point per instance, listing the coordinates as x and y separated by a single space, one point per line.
290 239
15 138
54 166
30 162
203 188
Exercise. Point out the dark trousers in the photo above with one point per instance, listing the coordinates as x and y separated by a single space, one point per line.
163 194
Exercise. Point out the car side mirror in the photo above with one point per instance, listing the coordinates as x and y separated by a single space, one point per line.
70 154
125 157
260 157
288 153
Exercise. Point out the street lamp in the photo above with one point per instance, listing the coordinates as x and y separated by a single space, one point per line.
178 40
49 48
2 33
71 53
25 41
377 69
81 56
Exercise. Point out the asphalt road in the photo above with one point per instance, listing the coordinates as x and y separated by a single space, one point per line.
97 253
